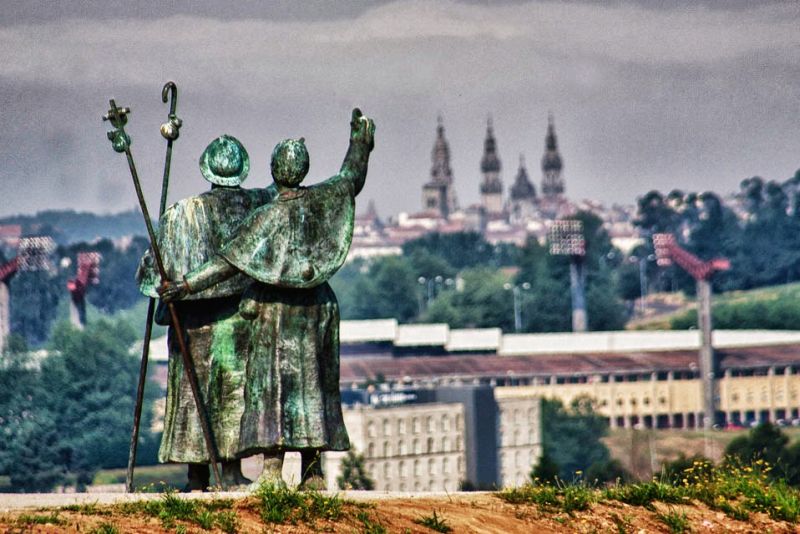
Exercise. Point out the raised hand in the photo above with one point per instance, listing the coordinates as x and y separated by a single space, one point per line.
362 129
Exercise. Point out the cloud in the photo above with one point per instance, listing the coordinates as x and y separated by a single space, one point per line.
676 96
216 52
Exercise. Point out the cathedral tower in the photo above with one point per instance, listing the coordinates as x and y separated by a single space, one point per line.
491 186
438 195
552 182
522 201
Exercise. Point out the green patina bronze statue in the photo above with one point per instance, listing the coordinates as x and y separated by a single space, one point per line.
288 247
190 233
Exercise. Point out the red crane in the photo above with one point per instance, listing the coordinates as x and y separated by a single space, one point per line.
7 270
667 251
88 273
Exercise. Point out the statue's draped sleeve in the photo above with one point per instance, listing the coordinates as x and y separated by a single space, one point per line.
300 240
193 230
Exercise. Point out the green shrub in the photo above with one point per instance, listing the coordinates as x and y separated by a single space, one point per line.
434 522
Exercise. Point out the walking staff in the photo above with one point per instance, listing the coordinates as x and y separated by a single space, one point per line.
170 130
121 142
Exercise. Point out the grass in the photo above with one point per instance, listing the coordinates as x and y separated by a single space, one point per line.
170 509
644 494
275 504
105 528
434 522
772 307
735 490
37 519
369 525
279 504
86 509
560 497
675 520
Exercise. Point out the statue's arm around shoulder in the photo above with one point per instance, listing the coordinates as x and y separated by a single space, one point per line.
209 274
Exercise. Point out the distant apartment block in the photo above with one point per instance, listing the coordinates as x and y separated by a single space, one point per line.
414 447
460 435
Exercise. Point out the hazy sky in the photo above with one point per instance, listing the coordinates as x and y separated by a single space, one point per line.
646 95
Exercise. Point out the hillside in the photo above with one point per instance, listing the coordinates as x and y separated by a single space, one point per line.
67 226
773 307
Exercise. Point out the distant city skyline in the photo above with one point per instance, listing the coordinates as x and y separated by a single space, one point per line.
646 95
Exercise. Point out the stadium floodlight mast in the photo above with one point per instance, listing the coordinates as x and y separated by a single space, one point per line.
515 290
33 254
567 239
36 254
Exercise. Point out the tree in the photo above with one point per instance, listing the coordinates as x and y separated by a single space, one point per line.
764 442
389 289
463 249
546 469
117 289
34 298
73 416
573 436
655 214
483 302
354 474
768 443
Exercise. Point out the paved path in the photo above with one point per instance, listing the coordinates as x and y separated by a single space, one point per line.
21 501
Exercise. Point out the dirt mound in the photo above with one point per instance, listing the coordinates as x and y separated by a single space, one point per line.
462 512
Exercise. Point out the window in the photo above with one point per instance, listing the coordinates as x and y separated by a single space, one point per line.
445 423
371 450
386 450
430 446
417 471
371 429
445 445
401 467
445 466
401 448
431 466
387 428
415 426
416 445
429 424
401 426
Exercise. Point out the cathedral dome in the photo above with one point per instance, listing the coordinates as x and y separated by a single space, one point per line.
523 188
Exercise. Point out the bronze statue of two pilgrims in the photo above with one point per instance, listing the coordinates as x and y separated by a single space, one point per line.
286 327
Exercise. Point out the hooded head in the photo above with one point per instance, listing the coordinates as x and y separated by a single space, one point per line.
290 162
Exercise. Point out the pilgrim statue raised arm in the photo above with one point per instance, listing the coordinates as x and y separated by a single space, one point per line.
290 248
